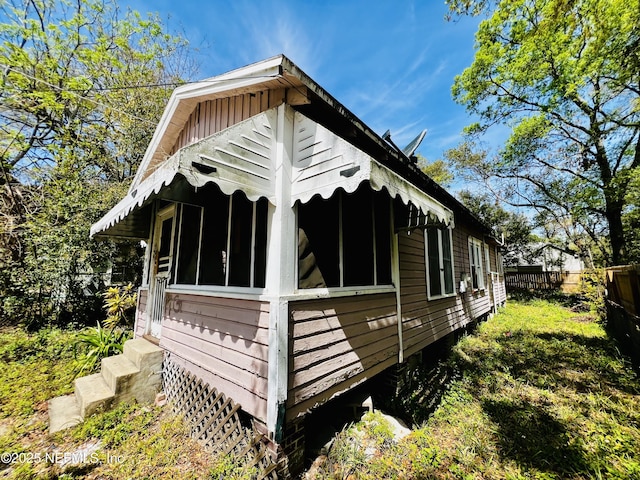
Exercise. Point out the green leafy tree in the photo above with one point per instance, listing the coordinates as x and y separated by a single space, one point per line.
82 86
438 170
511 228
564 77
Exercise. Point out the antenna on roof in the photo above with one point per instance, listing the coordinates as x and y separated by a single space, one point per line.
413 145
410 149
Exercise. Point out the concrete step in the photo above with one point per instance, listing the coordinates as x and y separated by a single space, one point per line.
64 413
144 354
118 372
93 394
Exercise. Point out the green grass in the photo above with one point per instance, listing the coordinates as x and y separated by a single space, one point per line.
134 441
539 392
542 393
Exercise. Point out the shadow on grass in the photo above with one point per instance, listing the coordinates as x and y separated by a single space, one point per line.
540 373
529 435
556 360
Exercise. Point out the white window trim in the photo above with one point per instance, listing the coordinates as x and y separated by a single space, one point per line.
441 262
474 242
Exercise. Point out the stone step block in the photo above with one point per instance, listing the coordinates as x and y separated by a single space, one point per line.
144 354
118 373
93 394
64 412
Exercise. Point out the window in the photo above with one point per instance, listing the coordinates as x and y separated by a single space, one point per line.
475 260
345 241
224 244
439 259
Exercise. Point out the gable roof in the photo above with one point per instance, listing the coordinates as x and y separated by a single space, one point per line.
383 164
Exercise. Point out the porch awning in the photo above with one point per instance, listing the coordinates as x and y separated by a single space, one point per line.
324 162
237 158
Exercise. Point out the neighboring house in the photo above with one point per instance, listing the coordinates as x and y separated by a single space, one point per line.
293 253
546 257
546 267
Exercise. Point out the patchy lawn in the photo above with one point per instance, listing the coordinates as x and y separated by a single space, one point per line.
539 392
128 442
542 393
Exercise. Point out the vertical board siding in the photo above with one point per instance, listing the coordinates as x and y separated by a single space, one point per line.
224 341
336 343
141 313
424 321
212 116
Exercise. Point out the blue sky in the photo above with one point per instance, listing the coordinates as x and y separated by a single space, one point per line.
392 63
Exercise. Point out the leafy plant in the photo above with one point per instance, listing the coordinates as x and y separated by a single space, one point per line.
101 342
104 342
120 303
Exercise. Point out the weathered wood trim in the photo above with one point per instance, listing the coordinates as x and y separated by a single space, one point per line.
281 272
141 312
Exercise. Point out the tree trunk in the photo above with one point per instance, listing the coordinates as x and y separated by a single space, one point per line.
616 233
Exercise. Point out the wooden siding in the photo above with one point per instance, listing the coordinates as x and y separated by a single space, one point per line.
141 313
223 341
215 115
336 343
423 321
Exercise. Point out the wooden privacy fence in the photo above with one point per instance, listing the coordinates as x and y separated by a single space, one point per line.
214 420
623 305
565 281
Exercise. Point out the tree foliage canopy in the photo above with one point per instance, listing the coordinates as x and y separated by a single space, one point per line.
564 76
82 86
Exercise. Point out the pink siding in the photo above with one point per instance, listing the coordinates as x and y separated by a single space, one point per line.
337 343
141 313
212 116
423 321
224 342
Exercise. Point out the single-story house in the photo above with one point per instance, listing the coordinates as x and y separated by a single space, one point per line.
294 253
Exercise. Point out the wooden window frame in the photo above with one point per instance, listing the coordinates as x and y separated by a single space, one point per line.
441 264
477 263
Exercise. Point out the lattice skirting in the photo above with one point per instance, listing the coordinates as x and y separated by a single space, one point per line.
214 419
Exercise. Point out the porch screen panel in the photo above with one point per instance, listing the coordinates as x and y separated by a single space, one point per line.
382 210
213 256
357 238
189 243
319 243
240 241
260 262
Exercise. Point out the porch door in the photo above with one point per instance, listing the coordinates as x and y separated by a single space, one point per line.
161 268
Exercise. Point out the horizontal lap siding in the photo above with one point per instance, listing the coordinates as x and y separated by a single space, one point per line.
141 313
213 116
425 321
337 343
224 342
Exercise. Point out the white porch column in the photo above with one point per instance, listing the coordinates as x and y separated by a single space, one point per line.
281 273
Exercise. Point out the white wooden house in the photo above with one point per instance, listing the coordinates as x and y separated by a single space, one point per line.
293 253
